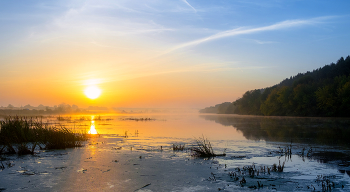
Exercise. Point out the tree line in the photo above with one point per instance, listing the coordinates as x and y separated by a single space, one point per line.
323 92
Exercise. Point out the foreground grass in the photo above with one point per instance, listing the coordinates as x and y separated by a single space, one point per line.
22 135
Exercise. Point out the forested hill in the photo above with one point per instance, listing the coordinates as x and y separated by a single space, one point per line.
322 92
219 108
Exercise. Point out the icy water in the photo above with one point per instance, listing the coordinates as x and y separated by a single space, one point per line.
133 152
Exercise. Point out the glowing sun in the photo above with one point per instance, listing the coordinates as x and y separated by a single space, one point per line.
92 92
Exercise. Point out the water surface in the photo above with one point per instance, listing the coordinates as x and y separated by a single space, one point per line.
134 150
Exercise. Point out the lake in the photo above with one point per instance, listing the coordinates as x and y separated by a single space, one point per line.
133 152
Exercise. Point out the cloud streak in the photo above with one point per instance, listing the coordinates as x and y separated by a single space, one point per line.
244 30
211 67
185 1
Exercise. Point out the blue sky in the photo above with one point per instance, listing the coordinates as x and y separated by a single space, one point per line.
206 52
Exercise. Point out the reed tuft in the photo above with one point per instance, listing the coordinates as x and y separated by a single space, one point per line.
22 135
178 147
204 149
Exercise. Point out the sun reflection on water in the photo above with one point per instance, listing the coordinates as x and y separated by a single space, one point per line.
92 126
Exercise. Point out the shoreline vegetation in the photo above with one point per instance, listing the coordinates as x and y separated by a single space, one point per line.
61 109
324 92
22 135
66 109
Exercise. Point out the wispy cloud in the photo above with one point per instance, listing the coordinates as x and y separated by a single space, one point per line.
87 21
203 67
185 1
245 30
260 42
264 42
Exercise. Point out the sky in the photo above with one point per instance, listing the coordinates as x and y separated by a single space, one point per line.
162 53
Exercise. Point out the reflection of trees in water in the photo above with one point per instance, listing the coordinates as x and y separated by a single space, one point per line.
330 131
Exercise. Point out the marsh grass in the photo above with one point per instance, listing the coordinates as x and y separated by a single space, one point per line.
178 147
280 167
61 138
22 135
60 118
139 119
203 148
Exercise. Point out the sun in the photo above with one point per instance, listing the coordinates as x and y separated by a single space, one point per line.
92 92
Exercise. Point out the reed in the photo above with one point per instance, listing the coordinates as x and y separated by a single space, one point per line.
178 147
61 138
204 149
278 168
22 135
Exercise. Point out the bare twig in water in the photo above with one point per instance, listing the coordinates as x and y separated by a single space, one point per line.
143 187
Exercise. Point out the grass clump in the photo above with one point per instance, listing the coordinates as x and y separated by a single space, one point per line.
178 147
61 138
203 148
278 168
22 135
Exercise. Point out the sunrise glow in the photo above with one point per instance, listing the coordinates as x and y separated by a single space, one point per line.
92 92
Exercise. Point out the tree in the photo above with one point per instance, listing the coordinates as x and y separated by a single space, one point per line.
10 106
326 100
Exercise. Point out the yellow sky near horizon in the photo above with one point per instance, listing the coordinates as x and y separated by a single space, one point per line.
173 89
52 75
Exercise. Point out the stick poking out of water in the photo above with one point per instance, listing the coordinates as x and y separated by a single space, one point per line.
143 187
